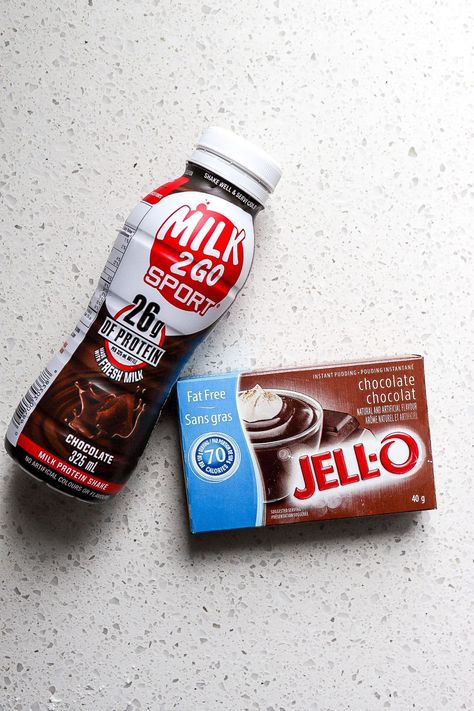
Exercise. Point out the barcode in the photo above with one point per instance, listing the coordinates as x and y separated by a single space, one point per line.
28 402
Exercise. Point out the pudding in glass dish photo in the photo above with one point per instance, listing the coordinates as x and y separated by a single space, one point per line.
278 424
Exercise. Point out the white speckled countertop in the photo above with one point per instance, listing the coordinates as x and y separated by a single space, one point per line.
365 250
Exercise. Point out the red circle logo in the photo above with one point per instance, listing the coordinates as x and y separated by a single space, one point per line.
196 258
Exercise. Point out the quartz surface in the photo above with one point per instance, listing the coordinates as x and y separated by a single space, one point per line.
365 250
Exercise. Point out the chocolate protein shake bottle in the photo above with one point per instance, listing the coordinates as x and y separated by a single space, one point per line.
177 265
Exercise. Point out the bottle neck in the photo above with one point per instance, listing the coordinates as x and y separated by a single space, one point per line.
211 182
231 172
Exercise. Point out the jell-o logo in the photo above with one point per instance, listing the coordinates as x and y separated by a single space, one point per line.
328 470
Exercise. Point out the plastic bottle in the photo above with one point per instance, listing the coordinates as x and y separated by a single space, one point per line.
177 265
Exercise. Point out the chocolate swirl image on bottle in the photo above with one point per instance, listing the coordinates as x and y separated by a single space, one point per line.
278 423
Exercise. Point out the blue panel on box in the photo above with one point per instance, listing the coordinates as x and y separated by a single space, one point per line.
222 482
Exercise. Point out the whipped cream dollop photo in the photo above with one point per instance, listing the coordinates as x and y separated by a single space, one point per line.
258 404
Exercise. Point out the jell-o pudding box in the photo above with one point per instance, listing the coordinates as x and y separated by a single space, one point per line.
306 444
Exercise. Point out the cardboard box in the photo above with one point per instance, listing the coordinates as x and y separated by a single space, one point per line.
306 444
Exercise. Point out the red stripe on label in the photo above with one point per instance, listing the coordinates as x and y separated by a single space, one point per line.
158 194
59 465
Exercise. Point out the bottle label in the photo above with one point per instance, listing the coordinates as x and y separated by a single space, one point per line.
175 268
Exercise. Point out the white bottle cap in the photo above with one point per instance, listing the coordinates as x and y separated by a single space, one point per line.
238 161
